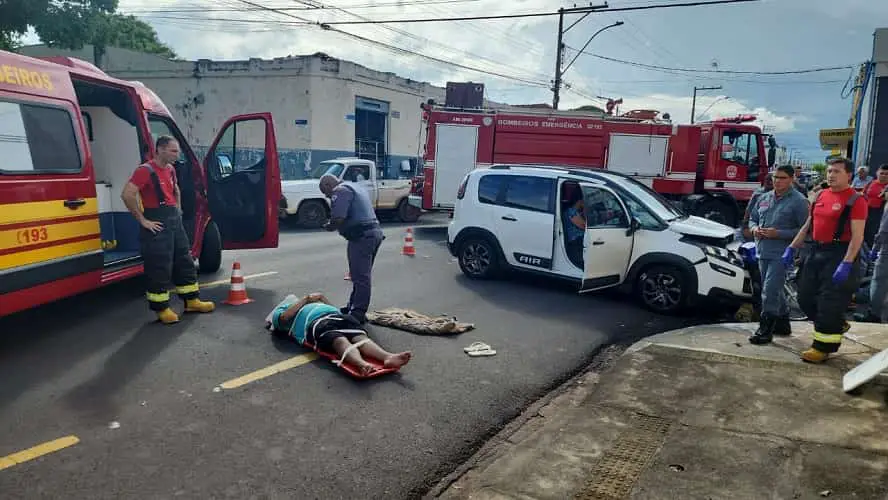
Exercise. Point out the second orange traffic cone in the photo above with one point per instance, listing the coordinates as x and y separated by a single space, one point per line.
408 248
237 295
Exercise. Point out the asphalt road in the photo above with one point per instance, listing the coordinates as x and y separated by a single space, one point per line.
144 403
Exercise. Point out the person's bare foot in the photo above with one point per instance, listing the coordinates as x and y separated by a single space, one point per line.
397 360
366 369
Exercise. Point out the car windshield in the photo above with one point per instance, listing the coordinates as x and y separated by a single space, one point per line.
651 199
326 168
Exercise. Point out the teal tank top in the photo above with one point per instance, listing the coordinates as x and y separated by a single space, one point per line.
298 328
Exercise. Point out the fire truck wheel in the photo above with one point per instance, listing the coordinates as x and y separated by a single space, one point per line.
663 289
210 250
717 211
478 258
311 214
407 212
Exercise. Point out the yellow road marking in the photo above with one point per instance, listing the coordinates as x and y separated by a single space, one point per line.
249 276
270 370
37 451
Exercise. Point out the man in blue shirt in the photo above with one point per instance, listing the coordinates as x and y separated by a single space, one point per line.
352 214
575 231
322 325
774 221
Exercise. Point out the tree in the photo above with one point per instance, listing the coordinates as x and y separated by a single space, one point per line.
820 168
71 24
132 33
15 17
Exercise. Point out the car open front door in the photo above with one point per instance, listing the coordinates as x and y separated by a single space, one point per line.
244 182
608 241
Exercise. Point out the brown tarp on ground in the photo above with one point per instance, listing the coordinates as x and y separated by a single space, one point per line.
414 322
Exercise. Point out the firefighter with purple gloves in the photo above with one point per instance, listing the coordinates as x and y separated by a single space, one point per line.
829 275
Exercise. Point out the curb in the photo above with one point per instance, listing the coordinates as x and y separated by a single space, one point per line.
555 398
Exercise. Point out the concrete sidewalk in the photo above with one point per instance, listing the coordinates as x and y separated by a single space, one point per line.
700 413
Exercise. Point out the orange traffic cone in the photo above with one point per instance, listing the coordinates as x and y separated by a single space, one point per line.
237 295
408 244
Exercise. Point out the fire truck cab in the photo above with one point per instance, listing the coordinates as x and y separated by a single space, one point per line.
70 138
711 169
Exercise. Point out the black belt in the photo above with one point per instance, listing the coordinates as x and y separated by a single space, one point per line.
830 246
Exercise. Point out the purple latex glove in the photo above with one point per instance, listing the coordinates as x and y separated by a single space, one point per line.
873 254
788 256
842 272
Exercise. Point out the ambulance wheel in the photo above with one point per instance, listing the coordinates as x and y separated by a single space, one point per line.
312 214
211 250
663 288
478 258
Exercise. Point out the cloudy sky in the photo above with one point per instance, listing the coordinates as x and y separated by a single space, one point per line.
515 57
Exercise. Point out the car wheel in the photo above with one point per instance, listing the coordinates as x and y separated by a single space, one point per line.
311 214
662 289
211 249
478 258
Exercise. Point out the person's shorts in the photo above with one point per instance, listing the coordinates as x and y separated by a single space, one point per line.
324 330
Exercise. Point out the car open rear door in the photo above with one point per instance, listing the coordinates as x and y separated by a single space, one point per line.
244 182
608 241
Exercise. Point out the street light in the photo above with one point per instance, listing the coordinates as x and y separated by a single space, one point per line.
723 98
694 102
556 87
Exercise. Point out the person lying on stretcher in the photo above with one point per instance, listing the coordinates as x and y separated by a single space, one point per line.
313 321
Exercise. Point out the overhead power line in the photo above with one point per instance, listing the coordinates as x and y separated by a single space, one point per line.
405 51
375 5
536 14
490 17
715 71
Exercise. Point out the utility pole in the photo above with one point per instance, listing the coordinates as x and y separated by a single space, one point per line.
559 47
694 104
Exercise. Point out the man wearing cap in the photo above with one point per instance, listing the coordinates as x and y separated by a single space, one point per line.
352 214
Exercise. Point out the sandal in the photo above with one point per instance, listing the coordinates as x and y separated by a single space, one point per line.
481 352
476 346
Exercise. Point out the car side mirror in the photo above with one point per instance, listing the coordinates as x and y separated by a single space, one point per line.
634 226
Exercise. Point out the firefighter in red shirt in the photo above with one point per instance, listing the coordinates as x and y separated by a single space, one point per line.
873 193
830 273
166 250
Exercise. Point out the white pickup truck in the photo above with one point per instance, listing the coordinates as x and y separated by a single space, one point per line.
303 199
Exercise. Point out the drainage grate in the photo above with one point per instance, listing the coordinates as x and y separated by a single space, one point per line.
616 472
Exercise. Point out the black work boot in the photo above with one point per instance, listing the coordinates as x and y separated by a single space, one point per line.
782 328
765 333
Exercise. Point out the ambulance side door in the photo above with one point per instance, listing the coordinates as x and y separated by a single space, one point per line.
244 182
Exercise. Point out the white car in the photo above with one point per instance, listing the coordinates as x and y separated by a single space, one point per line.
510 217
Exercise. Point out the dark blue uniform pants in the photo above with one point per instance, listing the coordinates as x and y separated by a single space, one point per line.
361 254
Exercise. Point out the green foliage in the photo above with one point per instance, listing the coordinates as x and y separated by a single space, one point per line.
820 168
132 33
15 17
71 24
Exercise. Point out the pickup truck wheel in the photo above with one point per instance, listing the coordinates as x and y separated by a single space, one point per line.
311 214
211 250
407 212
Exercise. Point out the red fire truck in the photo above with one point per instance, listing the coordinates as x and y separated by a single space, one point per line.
711 168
